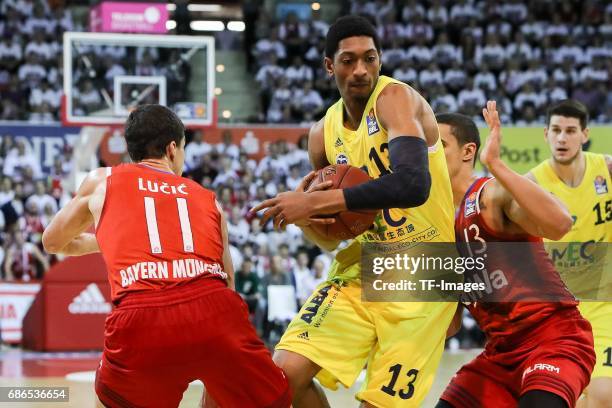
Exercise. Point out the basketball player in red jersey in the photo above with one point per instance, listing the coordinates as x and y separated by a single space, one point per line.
164 241
538 353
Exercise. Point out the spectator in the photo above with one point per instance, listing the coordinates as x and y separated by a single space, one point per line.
89 97
462 12
485 79
592 97
528 95
294 34
444 102
32 72
267 47
10 53
195 151
492 54
444 53
227 146
437 15
45 94
412 9
247 285
237 228
23 260
303 277
17 161
393 56
418 29
430 77
307 102
471 100
405 73
298 72
419 54
455 78
41 198
42 49
390 31
519 50
514 11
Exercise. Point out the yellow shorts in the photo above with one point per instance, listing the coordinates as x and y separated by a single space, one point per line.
401 343
599 314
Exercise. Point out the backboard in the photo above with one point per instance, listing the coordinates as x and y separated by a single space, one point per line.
107 75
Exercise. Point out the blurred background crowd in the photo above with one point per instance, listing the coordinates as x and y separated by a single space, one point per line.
457 54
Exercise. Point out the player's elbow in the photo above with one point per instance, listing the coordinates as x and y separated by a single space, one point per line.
50 244
413 189
560 228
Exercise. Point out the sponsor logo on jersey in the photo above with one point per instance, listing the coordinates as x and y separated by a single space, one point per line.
470 204
541 367
341 159
372 123
89 301
601 185
314 303
338 142
303 336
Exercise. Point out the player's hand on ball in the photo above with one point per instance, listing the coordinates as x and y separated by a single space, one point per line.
491 150
293 207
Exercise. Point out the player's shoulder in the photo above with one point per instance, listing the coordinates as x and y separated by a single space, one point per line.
316 145
316 130
93 179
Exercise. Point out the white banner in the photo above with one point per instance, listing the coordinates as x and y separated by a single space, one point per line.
15 300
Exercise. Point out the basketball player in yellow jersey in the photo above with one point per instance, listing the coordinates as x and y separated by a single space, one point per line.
387 128
581 180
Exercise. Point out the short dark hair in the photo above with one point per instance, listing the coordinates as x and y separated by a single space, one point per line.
569 108
149 129
349 26
462 127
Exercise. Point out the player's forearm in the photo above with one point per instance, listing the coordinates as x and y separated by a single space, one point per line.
83 244
551 217
318 240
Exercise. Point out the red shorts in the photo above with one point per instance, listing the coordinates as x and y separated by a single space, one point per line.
157 343
557 356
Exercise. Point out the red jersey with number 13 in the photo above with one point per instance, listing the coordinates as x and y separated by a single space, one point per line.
523 287
157 230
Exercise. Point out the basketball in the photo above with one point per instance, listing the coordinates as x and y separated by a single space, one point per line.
349 224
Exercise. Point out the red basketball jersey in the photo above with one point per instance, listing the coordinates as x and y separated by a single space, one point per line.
523 288
157 230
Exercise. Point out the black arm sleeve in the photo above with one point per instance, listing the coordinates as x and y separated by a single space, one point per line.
408 185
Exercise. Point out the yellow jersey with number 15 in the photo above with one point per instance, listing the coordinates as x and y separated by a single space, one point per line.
590 205
368 148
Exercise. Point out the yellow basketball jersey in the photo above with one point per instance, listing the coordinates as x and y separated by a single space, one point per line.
368 148
590 205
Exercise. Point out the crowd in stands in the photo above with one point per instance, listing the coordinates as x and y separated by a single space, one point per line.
31 65
457 54
29 198
31 59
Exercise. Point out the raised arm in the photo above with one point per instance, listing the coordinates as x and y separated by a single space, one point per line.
399 111
66 232
524 202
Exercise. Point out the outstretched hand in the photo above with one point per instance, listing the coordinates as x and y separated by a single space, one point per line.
293 207
491 152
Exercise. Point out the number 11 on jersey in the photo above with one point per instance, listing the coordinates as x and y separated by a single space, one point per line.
151 216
